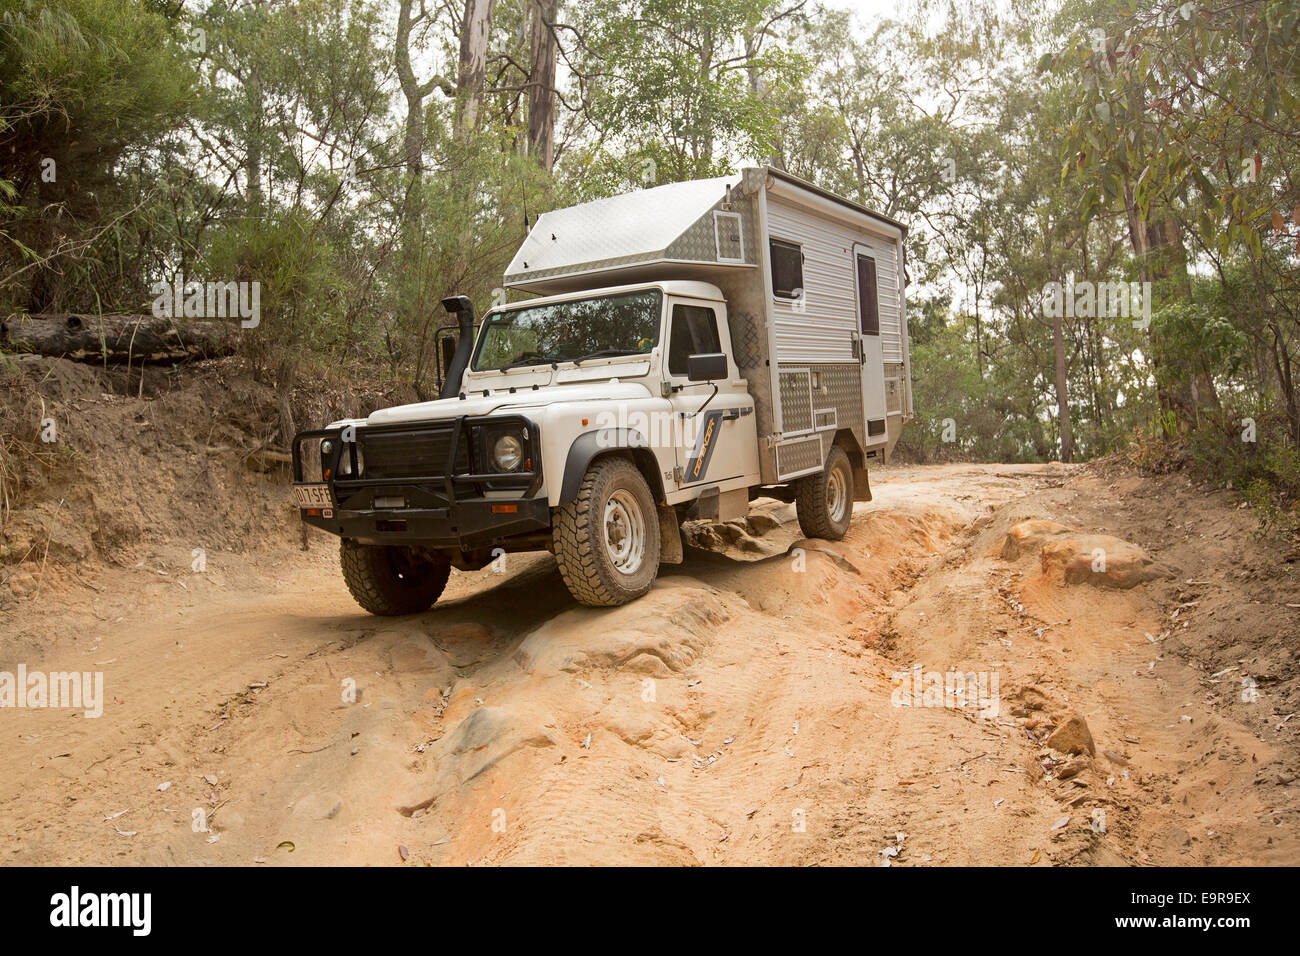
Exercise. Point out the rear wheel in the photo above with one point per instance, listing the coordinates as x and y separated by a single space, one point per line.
389 580
607 538
824 502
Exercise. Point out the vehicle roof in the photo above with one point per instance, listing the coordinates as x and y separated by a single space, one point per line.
687 288
804 184
630 226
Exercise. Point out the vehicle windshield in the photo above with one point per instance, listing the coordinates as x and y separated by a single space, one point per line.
608 325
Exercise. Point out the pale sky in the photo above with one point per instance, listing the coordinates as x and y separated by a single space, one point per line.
867 11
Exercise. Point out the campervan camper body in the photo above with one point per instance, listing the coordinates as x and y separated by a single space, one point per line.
691 346
813 285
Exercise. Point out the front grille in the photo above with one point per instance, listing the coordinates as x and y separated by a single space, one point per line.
412 454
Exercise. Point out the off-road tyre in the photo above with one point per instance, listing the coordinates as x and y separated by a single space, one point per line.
582 531
390 580
824 502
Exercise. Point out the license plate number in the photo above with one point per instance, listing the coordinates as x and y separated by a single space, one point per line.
312 496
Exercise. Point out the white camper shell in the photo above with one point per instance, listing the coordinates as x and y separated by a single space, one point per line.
814 286
691 347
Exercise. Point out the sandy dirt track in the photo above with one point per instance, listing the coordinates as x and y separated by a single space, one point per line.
742 713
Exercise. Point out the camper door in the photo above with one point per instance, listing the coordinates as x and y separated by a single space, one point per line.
871 352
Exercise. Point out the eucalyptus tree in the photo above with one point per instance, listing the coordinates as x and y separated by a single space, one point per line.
675 90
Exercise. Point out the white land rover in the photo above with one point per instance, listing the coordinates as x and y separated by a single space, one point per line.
753 341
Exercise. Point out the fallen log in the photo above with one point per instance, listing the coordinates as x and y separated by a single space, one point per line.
118 337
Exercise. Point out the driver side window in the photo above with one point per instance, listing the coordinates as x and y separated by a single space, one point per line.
694 332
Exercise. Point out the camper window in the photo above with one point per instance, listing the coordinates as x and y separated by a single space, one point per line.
868 296
694 332
787 269
729 236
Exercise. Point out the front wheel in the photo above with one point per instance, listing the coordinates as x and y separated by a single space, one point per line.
607 538
824 502
390 580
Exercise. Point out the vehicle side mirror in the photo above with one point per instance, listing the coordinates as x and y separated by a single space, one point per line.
707 367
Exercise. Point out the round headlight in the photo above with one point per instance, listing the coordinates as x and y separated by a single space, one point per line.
327 448
507 453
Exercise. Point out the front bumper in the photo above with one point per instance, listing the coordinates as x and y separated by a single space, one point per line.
451 502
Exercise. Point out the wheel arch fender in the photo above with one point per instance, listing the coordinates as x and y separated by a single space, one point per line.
626 442
845 439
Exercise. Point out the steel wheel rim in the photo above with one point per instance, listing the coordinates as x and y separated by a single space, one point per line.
837 492
624 532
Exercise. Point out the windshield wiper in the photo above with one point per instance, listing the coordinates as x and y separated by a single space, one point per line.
604 353
528 358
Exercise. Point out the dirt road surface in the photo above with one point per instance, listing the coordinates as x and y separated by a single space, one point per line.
747 711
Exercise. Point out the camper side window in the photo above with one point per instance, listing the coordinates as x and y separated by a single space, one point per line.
787 269
868 296
694 332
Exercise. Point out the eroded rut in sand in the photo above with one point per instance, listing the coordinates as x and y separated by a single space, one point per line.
743 712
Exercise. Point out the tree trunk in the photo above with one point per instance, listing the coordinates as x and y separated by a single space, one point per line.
1282 365
413 132
474 31
119 338
541 84
253 153
1158 244
704 157
1062 391
285 377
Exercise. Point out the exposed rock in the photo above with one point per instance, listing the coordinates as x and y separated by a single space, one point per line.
670 623
1080 558
649 664
631 729
467 631
416 654
1073 767
1100 560
1029 536
1072 737
486 737
760 523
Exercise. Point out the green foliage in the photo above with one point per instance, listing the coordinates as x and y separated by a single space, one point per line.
1189 327
965 414
679 90
301 282
1192 106
1270 482
90 87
